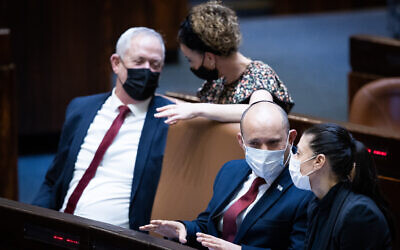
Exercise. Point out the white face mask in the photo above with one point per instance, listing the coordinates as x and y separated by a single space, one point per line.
299 180
266 164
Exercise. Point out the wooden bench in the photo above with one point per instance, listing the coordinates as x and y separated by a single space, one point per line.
371 58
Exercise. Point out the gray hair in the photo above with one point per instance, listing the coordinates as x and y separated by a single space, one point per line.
126 37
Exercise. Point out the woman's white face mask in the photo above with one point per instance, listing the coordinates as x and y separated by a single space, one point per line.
266 164
299 180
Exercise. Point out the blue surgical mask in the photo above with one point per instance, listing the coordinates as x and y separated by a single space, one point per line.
299 180
267 164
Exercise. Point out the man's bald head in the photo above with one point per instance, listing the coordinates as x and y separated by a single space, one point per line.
266 114
265 125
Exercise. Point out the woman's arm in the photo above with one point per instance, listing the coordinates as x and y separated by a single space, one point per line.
218 112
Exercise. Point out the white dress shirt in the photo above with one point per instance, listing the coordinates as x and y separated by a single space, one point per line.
246 186
107 196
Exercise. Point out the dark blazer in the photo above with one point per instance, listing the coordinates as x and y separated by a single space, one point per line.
354 222
277 221
79 115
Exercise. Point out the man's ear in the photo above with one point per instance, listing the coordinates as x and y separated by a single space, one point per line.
292 136
115 61
240 139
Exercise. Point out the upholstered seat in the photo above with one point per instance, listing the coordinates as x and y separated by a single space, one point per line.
196 149
377 104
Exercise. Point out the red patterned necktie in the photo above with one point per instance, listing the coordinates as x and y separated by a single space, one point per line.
229 225
98 156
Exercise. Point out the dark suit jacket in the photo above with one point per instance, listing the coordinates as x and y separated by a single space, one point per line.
354 222
79 115
277 221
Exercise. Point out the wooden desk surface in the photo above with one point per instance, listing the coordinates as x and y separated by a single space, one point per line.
25 226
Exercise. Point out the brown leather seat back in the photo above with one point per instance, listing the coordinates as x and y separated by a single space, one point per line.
195 151
377 104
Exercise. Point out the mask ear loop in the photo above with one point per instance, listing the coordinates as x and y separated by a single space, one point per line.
123 64
312 171
202 61
290 152
289 156
244 144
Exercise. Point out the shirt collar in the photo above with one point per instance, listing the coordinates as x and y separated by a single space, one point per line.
326 202
253 176
138 109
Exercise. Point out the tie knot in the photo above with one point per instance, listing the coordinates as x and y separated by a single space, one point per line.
123 109
258 182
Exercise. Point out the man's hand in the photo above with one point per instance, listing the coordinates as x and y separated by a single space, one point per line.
167 228
176 112
216 243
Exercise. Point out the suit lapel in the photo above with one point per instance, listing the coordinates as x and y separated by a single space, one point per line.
87 113
235 183
274 192
229 190
146 139
333 215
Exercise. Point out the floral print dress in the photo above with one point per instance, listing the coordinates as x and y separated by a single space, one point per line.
257 76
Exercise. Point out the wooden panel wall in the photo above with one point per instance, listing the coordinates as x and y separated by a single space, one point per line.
62 49
8 122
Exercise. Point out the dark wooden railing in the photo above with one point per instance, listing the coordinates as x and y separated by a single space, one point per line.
25 226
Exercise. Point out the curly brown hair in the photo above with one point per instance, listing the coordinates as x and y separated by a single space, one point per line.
217 26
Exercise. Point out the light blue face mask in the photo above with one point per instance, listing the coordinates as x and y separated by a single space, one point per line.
299 180
267 164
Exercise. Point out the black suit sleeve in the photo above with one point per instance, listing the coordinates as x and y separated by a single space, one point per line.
200 224
363 226
44 196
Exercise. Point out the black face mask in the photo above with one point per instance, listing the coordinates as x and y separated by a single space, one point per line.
204 73
141 83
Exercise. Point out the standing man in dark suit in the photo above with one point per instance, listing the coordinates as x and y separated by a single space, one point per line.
110 153
255 204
